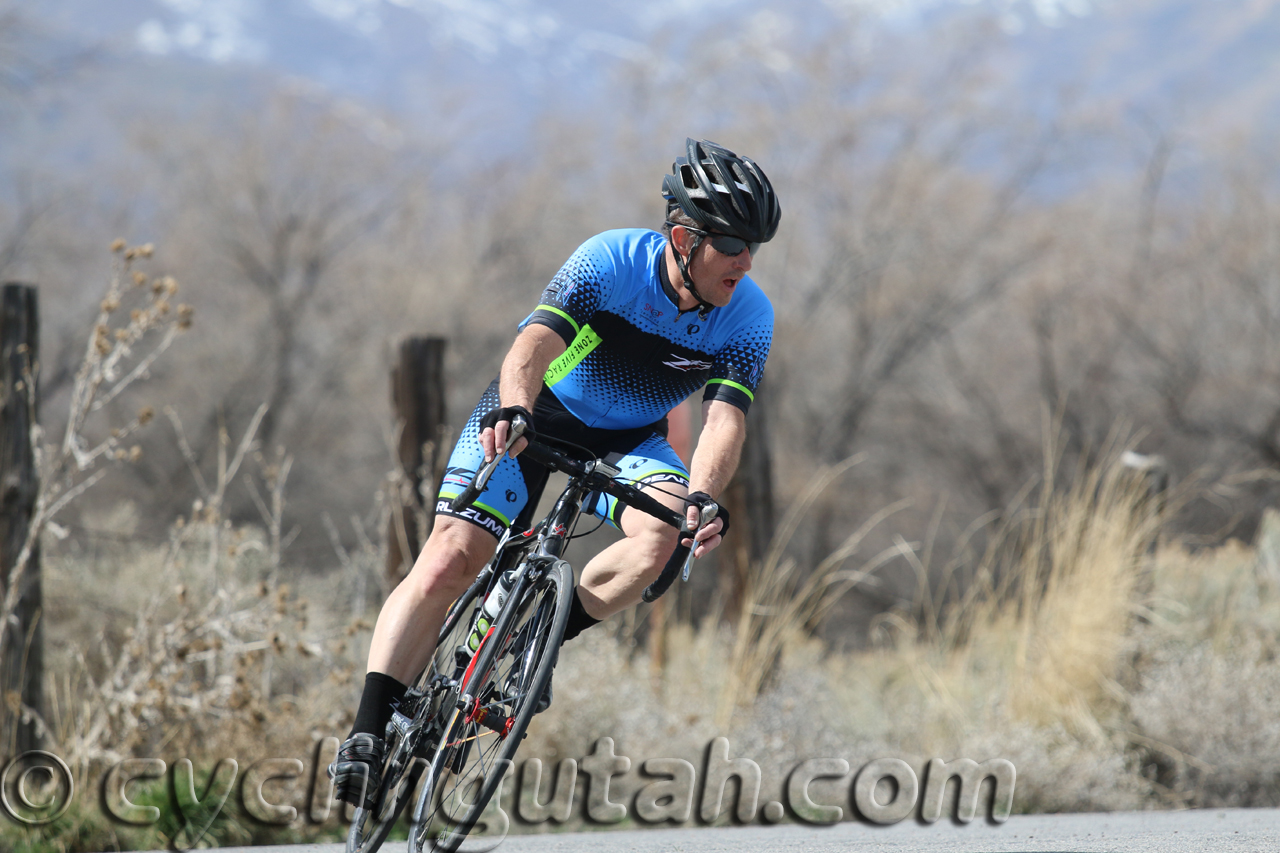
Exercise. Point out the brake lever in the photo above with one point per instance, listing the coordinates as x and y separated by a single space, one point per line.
706 515
518 425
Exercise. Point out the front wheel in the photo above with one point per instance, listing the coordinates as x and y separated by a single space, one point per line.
408 754
507 678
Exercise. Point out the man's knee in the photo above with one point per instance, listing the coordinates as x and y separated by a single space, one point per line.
452 557
653 538
652 543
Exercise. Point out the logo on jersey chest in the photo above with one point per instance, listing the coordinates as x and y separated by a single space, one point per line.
654 313
687 364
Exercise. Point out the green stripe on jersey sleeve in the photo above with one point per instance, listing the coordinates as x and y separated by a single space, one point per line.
576 328
744 389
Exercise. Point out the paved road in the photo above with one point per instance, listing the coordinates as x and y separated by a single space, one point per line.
1207 831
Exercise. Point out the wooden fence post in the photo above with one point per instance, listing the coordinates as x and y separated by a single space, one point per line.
418 397
22 665
749 499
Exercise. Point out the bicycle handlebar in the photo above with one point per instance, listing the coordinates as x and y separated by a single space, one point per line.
549 457
681 555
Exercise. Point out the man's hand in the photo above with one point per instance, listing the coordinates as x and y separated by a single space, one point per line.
708 538
495 429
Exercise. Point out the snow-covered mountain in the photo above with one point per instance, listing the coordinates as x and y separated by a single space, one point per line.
566 35
519 54
497 65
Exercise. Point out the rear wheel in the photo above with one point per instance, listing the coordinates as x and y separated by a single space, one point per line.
506 679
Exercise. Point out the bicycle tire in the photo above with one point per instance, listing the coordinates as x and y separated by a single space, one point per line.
467 757
370 827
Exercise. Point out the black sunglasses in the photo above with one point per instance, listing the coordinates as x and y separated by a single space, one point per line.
723 243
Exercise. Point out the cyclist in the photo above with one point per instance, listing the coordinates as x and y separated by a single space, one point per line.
634 322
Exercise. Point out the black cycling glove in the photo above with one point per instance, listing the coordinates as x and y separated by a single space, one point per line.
491 420
701 499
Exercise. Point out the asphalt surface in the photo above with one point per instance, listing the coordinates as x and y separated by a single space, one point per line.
1226 830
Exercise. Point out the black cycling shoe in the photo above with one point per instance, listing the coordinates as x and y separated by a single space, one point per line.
357 771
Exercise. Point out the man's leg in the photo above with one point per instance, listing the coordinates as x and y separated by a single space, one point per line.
403 641
616 577
456 551
409 624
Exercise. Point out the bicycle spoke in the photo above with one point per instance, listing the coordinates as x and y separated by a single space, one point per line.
470 739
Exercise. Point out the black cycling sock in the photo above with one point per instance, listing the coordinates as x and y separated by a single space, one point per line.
579 619
381 693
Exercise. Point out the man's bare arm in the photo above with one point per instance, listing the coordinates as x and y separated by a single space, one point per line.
724 428
521 379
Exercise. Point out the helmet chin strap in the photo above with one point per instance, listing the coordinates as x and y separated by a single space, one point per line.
704 307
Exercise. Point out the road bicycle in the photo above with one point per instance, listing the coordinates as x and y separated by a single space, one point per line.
454 735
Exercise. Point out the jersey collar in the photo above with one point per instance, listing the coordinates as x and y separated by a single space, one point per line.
665 280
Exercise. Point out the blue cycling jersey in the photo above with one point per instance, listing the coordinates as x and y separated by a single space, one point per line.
632 355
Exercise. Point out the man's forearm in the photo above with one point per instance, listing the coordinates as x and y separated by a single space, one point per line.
719 448
526 363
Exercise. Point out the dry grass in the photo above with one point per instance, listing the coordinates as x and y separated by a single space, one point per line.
1112 673
1115 675
195 647
203 648
135 325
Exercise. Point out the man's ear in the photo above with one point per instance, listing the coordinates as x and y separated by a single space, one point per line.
680 239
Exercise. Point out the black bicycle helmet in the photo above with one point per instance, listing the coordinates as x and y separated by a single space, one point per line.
724 192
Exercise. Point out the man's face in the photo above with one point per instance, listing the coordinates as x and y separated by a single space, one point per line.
715 275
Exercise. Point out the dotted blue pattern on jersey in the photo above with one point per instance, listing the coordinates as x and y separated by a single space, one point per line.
642 356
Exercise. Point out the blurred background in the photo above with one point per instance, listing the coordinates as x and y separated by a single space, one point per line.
1019 431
